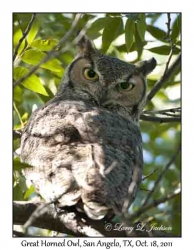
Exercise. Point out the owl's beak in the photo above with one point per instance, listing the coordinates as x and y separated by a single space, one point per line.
103 98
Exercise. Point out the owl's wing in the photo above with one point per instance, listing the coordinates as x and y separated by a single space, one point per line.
117 160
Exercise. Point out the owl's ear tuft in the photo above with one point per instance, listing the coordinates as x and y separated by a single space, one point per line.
85 47
146 67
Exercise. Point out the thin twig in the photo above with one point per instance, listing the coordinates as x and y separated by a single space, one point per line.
68 34
145 177
24 35
20 26
171 115
155 203
164 111
168 71
159 119
169 59
52 53
161 175
147 115
144 189
169 39
18 114
168 25
164 78
40 210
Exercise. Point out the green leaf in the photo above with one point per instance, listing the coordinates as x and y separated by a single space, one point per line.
33 32
17 94
33 57
47 98
178 43
139 44
44 45
141 26
164 50
122 48
30 191
133 16
176 27
113 14
17 36
153 16
176 215
129 33
17 193
99 24
16 143
171 176
156 32
25 117
17 165
84 19
110 32
32 82
93 35
19 188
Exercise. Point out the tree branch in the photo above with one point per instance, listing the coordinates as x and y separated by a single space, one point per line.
161 175
148 118
155 203
168 26
168 38
24 36
20 234
40 210
69 222
164 111
168 71
75 223
164 78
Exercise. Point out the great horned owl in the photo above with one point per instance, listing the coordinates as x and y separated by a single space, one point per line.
85 144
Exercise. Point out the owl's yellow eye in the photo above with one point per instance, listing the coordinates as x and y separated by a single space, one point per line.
127 86
90 74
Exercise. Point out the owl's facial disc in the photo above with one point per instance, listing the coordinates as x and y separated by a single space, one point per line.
82 73
84 78
126 93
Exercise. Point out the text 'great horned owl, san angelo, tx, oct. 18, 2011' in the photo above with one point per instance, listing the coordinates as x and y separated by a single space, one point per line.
85 144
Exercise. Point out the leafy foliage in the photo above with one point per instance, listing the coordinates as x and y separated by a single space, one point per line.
131 37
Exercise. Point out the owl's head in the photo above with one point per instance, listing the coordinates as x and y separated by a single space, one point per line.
112 83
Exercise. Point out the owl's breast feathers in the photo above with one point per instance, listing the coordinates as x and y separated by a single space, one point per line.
85 153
